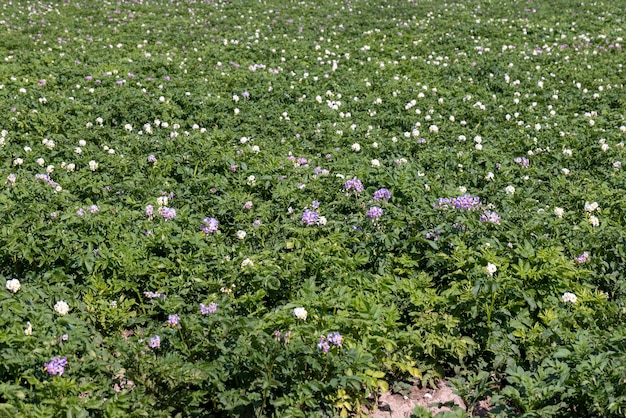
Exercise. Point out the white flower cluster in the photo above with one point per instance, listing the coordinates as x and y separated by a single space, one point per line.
569 297
13 285
300 313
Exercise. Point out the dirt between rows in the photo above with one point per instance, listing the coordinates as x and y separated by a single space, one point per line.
399 406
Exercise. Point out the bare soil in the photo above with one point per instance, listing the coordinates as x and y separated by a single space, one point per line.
398 406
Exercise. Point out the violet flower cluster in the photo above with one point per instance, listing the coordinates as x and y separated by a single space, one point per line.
56 366
173 320
465 202
207 309
582 258
523 161
326 342
490 217
354 184
152 295
46 178
382 195
310 217
210 225
167 213
374 212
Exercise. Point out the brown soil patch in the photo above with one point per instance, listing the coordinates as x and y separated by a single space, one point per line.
398 406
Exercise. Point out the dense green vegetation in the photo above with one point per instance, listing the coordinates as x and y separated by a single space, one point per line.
285 208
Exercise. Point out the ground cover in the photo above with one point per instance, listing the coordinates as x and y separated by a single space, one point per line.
281 208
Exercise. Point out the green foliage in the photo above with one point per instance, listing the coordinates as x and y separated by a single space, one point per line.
286 283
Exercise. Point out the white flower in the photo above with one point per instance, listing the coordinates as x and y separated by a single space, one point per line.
251 180
247 262
162 201
49 169
558 212
70 167
491 269
322 220
433 128
99 121
605 147
617 165
255 149
510 190
462 189
569 297
13 285
19 161
375 163
594 221
128 127
478 147
29 329
489 176
590 207
300 313
375 145
82 142
356 147
565 171
62 308
40 161
93 166
567 152
78 150
241 234
27 149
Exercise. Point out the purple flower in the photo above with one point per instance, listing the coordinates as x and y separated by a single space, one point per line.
323 345
490 217
582 258
335 338
211 308
465 202
155 342
523 161
325 342
94 208
80 212
167 213
173 320
152 295
315 204
149 211
56 366
210 225
382 194
310 217
247 205
374 212
152 158
355 184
